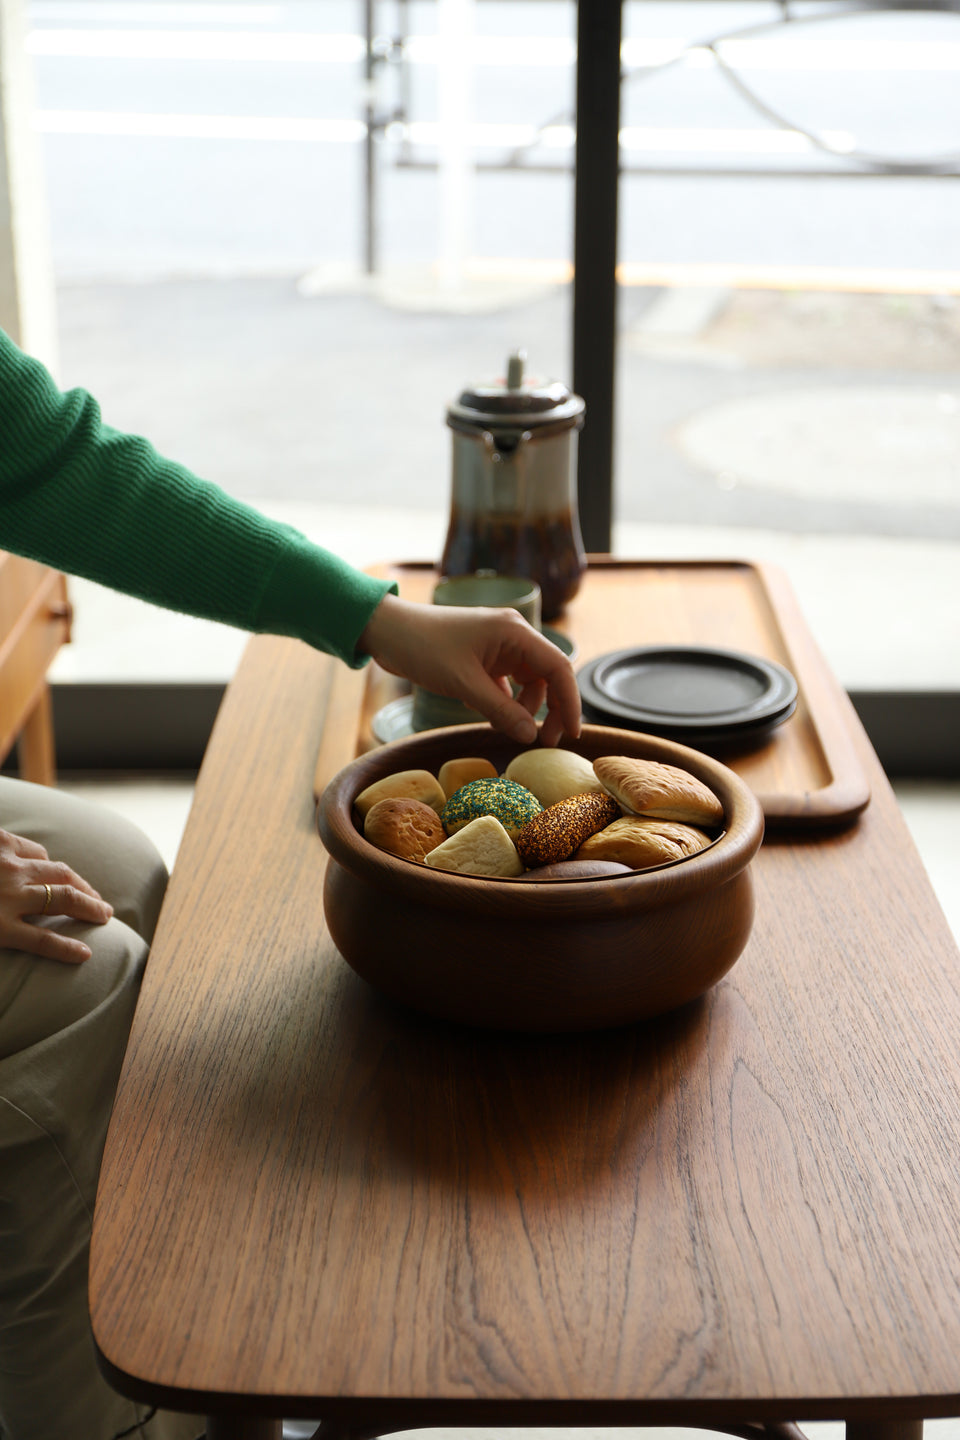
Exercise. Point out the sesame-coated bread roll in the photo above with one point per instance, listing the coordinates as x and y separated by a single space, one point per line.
561 829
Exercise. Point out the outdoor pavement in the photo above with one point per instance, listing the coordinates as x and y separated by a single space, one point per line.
820 433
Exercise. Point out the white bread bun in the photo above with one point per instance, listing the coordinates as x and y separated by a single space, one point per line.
553 774
481 848
405 784
662 792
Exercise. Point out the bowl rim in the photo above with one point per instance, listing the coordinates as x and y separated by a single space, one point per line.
421 884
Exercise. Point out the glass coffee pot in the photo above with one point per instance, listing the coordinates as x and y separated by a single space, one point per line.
513 507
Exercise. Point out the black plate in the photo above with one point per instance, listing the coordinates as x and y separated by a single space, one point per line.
689 691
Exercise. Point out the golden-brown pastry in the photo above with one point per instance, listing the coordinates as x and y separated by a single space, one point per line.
407 828
640 842
663 792
410 784
553 774
454 773
481 848
561 829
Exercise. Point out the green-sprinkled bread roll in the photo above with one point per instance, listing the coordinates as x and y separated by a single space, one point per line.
512 804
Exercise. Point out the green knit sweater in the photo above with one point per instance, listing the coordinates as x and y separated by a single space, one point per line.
86 499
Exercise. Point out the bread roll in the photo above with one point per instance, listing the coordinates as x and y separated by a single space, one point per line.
407 828
578 870
561 829
641 842
410 784
663 792
512 804
454 773
553 774
482 847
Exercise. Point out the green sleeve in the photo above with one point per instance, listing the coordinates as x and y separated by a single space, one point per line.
86 499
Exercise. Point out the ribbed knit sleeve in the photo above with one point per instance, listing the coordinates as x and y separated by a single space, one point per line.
86 499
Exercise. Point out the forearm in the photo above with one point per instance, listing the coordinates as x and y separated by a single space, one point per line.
89 500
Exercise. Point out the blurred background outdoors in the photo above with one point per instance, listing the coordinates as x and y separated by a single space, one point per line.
288 309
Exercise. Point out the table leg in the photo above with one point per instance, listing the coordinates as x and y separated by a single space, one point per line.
884 1430
243 1427
35 747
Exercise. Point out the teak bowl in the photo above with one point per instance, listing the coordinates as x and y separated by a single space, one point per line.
553 956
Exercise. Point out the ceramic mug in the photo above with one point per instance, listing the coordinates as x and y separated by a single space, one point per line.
490 588
485 588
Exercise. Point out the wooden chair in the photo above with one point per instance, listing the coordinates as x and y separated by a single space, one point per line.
35 616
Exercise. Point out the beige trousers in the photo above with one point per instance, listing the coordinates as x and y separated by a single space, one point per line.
63 1031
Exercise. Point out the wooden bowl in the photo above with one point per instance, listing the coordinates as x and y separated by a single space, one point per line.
556 956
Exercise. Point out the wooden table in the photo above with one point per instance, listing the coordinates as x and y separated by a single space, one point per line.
313 1204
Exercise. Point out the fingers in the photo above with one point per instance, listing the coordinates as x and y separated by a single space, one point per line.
68 899
58 874
51 944
46 901
20 845
547 665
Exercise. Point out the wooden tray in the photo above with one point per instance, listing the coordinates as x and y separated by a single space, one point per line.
806 772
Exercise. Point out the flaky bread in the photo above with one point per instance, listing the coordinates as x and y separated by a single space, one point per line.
662 792
640 842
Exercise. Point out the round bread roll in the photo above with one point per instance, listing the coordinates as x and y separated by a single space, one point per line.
407 828
512 804
408 784
455 773
578 870
663 792
553 774
482 847
640 842
561 829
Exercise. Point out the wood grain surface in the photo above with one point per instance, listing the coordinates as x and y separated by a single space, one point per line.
314 1203
807 771
35 619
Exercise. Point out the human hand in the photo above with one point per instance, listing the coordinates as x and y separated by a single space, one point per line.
468 652
33 884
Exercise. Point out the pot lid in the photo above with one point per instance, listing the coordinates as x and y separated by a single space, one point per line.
515 401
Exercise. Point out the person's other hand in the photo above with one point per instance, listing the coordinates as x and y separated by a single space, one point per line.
468 652
32 884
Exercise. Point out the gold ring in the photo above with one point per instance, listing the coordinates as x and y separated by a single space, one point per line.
47 902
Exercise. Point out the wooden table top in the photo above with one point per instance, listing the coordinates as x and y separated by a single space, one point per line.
312 1203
